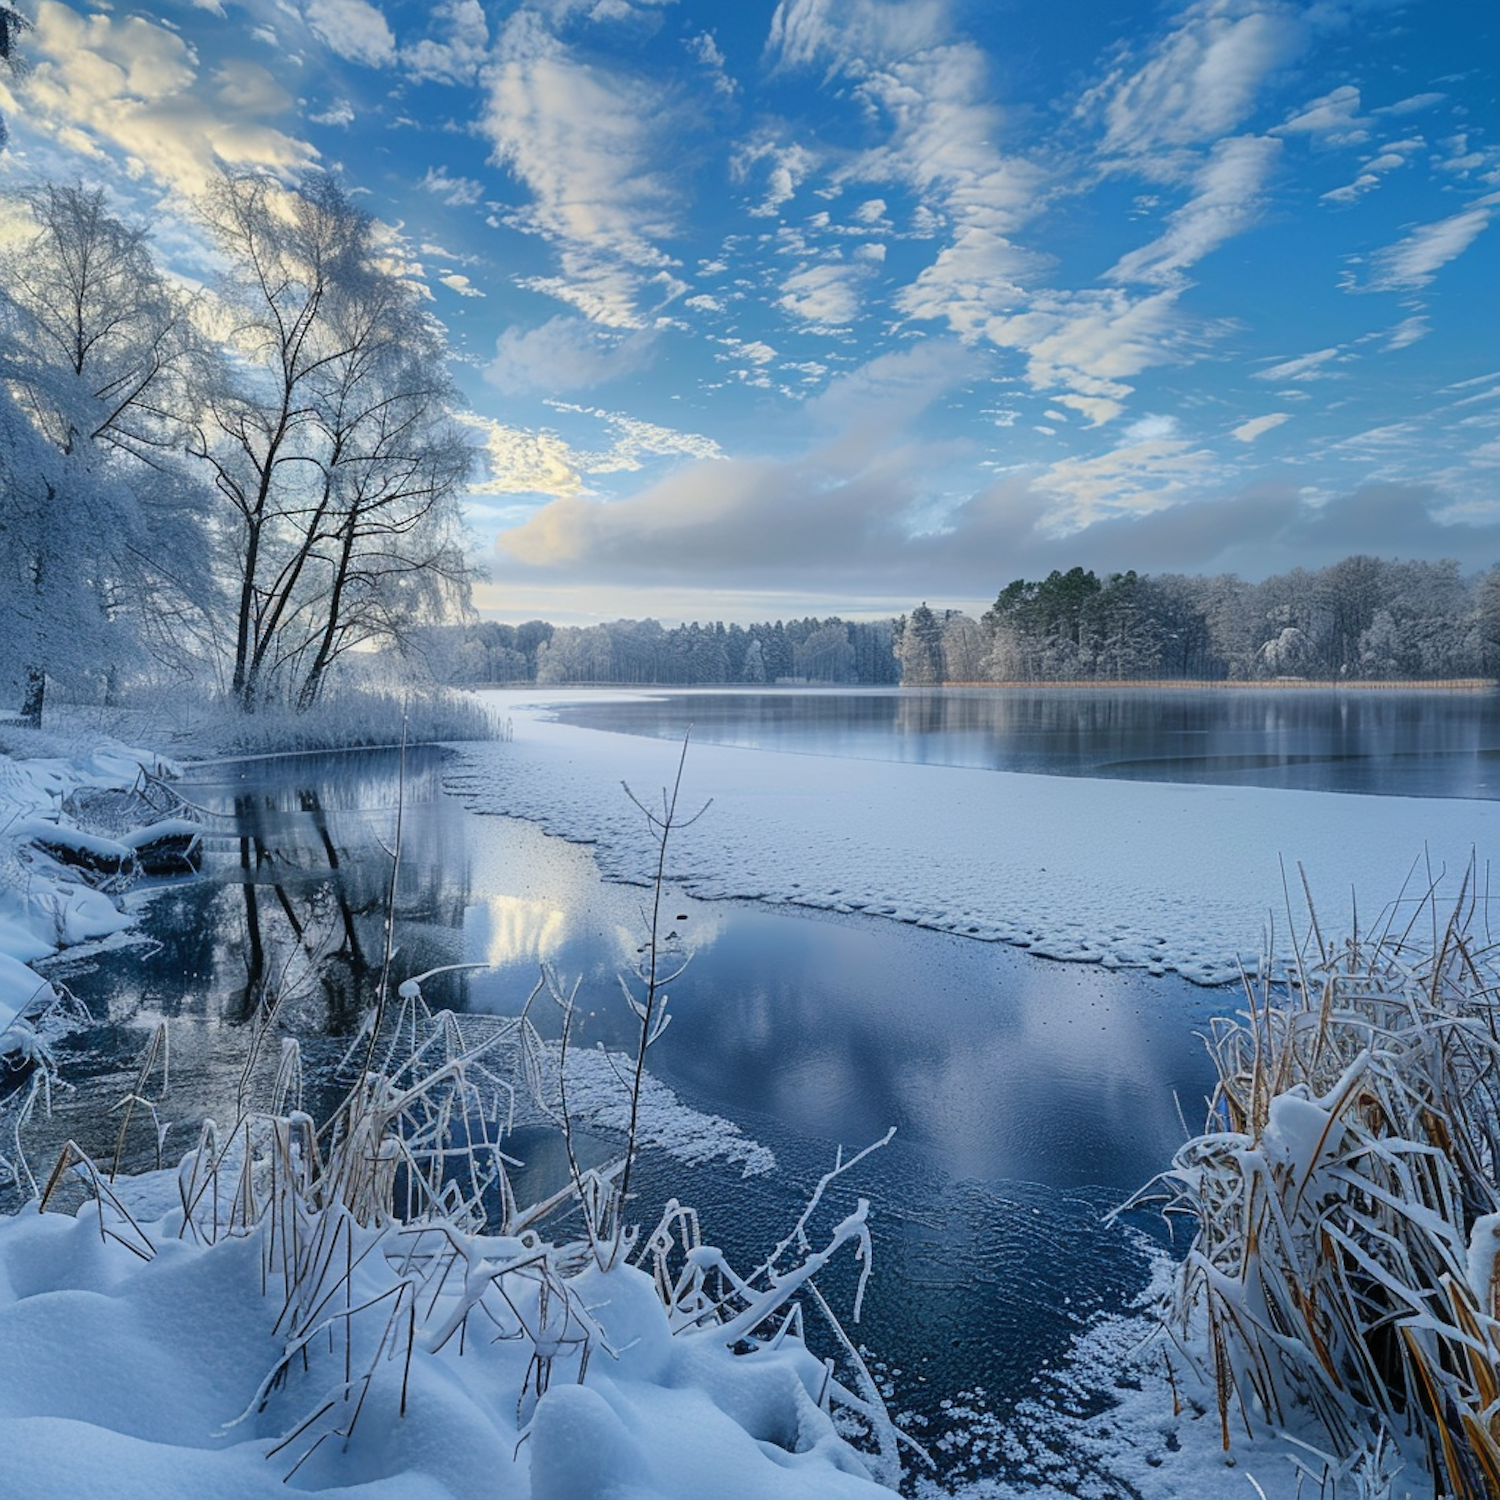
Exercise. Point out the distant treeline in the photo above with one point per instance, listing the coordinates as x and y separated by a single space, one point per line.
644 652
1360 619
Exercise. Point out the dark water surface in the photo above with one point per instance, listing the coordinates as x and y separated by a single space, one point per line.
1382 742
1028 1096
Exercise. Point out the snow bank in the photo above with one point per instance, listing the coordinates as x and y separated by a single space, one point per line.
142 1377
1144 874
44 905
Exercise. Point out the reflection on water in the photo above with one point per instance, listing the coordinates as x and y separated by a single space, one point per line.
1387 743
289 912
1028 1097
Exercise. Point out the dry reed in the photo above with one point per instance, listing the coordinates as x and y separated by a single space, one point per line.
1345 1194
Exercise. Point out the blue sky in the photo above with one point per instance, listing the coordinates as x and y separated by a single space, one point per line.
766 309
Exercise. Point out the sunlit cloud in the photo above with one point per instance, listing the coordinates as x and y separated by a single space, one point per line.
530 461
354 29
101 85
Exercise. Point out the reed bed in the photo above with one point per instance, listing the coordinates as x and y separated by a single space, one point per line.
1346 1255
391 1235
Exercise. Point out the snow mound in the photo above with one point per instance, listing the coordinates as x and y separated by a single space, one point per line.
137 1362
44 904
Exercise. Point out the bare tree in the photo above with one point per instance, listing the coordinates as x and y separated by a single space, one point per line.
330 440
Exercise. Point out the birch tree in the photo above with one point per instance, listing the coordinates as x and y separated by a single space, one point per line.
330 442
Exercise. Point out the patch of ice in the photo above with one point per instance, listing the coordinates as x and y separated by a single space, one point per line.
1139 874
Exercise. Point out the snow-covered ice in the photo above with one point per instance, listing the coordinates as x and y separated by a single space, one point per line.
1163 876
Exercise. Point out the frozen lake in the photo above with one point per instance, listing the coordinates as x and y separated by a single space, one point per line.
1029 1097
850 994
1385 743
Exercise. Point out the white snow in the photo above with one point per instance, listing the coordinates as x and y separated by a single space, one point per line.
1161 876
44 905
124 1376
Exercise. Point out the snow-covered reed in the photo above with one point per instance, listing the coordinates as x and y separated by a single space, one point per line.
1346 1259
353 718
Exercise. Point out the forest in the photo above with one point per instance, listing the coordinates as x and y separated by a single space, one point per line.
1362 619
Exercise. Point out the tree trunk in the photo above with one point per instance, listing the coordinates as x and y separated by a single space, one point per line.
36 692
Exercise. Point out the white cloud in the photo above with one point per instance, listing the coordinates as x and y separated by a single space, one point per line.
1247 432
1097 409
1335 119
102 85
1313 366
1387 159
354 29
853 33
1201 81
456 192
705 50
456 56
1411 263
1089 343
590 143
1226 201
932 91
786 167
822 296
756 351
1407 332
565 354
341 112
1152 469
1411 105
460 284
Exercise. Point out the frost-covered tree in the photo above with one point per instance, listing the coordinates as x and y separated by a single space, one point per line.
97 513
12 23
825 655
330 440
754 670
919 648
965 649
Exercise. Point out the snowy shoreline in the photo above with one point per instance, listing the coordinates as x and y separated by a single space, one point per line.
44 905
1194 879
